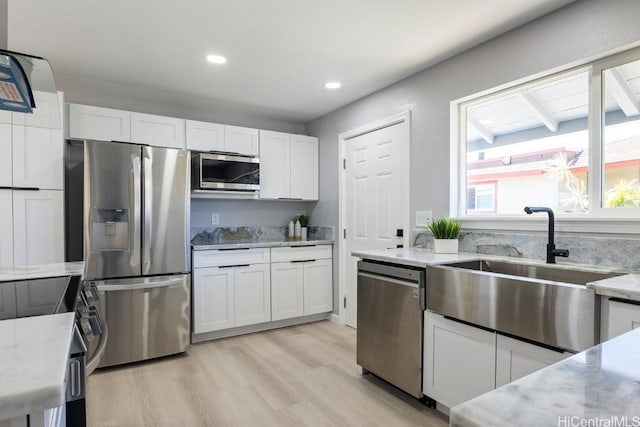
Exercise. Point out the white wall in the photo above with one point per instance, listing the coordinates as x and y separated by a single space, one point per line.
579 30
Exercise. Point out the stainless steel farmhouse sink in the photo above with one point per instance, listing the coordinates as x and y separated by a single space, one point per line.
542 303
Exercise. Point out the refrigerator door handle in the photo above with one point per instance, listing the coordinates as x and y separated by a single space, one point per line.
151 285
147 194
135 183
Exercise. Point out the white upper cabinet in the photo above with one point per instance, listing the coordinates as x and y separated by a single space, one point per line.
6 229
157 130
6 174
104 124
203 136
37 158
38 227
241 140
47 113
288 166
304 167
275 165
5 116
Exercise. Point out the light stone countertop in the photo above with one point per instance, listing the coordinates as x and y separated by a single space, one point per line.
598 385
260 244
627 287
33 363
41 271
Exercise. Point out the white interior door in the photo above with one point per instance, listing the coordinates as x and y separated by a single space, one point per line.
376 191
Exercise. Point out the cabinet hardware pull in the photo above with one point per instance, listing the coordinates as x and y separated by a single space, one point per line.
304 260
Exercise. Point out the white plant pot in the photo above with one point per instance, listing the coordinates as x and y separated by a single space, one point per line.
445 246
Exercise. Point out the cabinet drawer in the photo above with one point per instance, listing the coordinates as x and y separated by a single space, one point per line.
300 253
222 257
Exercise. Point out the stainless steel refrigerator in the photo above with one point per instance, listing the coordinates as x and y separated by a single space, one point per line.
136 247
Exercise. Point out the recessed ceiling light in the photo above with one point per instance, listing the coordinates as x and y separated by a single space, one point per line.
333 85
216 59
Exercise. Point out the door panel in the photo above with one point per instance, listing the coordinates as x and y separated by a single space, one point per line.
157 130
6 229
151 320
37 158
287 300
38 227
6 163
275 162
252 294
376 184
241 140
166 211
203 136
213 299
304 167
318 287
112 173
104 124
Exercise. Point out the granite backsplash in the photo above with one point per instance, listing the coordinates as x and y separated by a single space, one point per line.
616 252
220 235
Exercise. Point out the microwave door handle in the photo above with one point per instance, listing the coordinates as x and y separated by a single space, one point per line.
134 182
147 194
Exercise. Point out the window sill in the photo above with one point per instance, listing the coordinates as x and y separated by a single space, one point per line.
591 225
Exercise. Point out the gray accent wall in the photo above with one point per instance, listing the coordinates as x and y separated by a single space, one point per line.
241 213
578 31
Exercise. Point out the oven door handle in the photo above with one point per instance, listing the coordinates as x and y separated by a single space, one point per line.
94 360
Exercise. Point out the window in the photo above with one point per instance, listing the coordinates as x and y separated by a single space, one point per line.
570 141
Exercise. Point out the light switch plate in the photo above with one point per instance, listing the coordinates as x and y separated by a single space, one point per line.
423 218
215 218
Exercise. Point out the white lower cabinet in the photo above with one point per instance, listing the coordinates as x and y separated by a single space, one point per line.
228 297
252 294
459 360
462 361
318 290
623 317
516 359
38 227
287 290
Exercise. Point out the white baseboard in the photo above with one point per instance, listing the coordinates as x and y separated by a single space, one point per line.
335 318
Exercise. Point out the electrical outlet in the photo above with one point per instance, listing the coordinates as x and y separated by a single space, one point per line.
215 218
424 218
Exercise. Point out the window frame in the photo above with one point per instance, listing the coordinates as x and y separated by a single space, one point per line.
598 219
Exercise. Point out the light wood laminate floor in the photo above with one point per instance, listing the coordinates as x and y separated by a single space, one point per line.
302 375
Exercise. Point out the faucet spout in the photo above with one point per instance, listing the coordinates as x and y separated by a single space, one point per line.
552 252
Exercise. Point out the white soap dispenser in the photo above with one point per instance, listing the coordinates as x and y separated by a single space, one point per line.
298 230
291 230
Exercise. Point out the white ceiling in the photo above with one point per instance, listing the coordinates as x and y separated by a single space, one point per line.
280 52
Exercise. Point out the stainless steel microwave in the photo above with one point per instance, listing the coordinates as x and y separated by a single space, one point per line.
213 171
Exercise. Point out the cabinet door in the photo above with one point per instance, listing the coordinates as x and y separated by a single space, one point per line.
157 130
516 359
8 300
46 115
252 294
623 317
6 229
5 117
38 227
275 165
459 360
6 167
104 124
241 140
304 167
318 289
287 279
203 136
38 158
213 299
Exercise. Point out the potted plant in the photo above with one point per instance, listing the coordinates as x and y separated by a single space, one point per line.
304 223
445 235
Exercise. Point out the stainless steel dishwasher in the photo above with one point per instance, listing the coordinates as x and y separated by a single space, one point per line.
390 322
